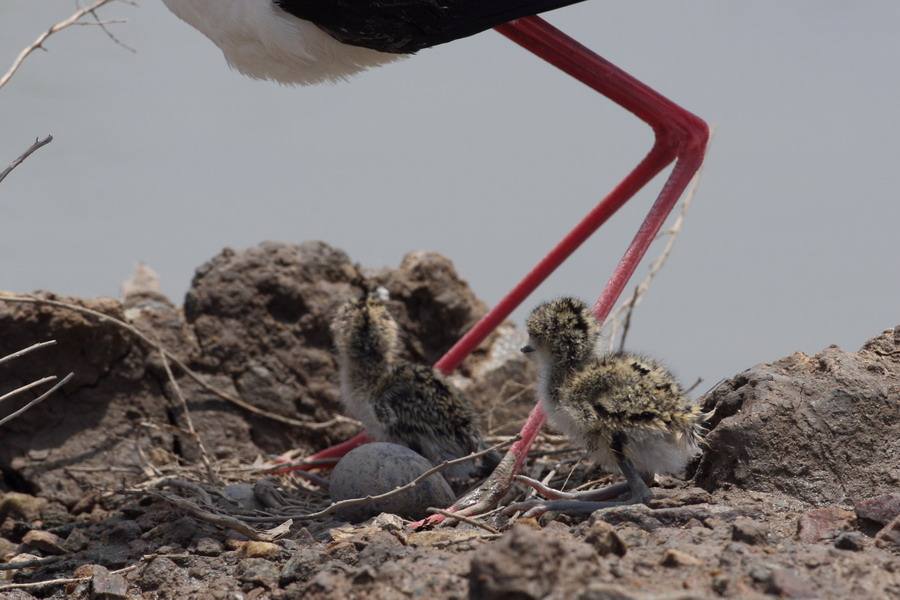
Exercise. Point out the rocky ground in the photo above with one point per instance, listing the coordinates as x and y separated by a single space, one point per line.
130 482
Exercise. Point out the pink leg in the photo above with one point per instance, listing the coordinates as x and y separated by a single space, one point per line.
329 456
680 137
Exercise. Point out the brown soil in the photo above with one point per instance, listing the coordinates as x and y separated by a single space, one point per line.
796 495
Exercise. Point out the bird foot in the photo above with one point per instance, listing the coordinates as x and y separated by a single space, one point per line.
539 506
583 502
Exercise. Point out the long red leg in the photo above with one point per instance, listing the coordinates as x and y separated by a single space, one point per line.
680 137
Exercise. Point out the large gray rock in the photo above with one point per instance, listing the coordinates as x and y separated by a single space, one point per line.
824 429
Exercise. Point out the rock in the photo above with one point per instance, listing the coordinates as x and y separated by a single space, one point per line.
890 533
107 586
302 565
824 429
676 558
603 537
881 509
208 546
46 542
749 531
160 572
526 564
605 591
822 523
850 540
373 469
258 571
787 584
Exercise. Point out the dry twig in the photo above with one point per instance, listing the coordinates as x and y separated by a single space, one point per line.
204 456
75 19
37 144
62 581
464 519
33 384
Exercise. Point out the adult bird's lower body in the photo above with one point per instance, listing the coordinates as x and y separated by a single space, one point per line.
680 137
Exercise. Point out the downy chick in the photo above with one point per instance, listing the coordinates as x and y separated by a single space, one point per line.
626 410
397 401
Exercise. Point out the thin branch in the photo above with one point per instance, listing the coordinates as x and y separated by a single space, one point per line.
110 34
464 519
62 581
27 387
628 314
397 490
217 519
181 365
204 456
30 564
38 43
40 398
37 144
26 351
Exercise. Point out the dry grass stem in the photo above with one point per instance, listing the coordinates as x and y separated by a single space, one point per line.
204 455
37 585
464 519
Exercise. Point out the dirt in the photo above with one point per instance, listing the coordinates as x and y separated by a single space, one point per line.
797 494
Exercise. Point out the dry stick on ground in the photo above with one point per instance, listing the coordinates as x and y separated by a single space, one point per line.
53 582
187 371
75 19
37 144
219 519
631 302
204 456
458 517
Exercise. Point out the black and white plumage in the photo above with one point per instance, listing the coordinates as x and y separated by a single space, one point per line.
309 41
398 401
626 410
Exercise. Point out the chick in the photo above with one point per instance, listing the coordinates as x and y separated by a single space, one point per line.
626 410
397 401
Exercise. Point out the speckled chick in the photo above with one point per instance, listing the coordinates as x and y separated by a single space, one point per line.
626 410
397 401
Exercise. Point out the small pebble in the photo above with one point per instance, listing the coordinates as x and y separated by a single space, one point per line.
850 540
677 558
108 586
749 531
46 542
881 509
822 523
258 571
603 537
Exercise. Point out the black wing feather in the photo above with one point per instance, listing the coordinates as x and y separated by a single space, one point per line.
405 26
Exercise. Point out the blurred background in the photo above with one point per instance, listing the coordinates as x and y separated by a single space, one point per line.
482 152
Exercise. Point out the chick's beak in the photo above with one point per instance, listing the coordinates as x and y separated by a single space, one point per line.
526 349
